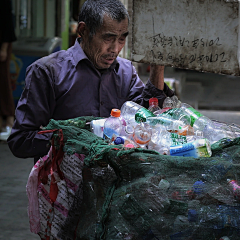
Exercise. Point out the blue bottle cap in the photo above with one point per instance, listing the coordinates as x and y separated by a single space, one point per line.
192 215
119 140
198 187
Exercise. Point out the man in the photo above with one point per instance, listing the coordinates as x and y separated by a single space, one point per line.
87 79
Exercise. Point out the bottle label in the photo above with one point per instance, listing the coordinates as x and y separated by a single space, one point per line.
187 150
142 114
165 109
192 149
108 134
178 139
194 114
170 111
159 120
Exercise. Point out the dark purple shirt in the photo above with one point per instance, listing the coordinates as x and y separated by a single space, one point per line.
66 85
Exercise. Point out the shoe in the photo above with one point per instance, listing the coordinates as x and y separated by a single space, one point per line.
4 135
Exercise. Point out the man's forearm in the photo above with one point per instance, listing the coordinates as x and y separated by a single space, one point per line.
157 76
26 144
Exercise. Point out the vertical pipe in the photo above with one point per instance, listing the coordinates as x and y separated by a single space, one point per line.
45 18
238 52
29 18
17 10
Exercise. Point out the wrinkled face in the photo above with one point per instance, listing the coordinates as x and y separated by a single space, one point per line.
106 44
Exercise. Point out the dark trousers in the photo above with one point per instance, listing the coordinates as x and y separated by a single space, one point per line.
7 107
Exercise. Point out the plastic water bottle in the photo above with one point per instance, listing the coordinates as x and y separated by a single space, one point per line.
177 114
142 134
176 102
167 121
235 188
190 111
225 129
212 131
153 105
127 131
235 129
160 140
167 104
134 113
112 125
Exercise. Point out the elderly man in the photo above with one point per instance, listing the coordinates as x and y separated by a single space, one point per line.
88 79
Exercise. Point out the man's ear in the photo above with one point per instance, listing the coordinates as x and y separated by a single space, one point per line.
81 29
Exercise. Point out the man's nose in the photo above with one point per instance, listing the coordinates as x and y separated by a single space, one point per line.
115 46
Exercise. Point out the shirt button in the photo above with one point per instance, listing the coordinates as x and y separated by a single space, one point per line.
101 102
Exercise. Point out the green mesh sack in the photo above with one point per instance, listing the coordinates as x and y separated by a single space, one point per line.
140 194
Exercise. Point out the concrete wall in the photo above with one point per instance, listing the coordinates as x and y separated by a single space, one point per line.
200 35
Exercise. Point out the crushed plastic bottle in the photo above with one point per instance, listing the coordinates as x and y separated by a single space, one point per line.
235 129
176 102
224 130
160 140
190 111
168 103
179 130
212 130
167 121
177 114
235 188
134 113
142 134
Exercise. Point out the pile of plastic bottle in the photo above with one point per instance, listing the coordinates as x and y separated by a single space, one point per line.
177 129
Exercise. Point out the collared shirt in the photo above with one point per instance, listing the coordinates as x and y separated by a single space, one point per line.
66 85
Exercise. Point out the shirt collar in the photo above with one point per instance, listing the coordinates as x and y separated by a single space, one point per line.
78 55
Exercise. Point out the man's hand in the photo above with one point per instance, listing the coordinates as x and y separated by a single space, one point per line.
3 52
157 76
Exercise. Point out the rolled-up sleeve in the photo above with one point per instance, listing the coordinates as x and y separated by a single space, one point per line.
34 110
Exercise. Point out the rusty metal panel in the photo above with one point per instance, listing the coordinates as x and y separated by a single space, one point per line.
201 35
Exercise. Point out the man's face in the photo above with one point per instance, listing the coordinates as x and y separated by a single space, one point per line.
106 44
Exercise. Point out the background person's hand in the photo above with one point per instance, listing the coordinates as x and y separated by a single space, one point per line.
4 51
3 55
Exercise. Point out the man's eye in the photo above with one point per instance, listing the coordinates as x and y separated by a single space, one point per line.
121 40
108 38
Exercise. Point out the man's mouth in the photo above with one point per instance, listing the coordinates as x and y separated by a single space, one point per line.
109 60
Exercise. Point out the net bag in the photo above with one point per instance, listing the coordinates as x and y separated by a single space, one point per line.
125 193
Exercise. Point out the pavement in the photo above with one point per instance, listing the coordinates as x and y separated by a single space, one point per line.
14 224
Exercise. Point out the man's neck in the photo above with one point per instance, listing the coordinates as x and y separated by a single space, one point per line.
102 71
